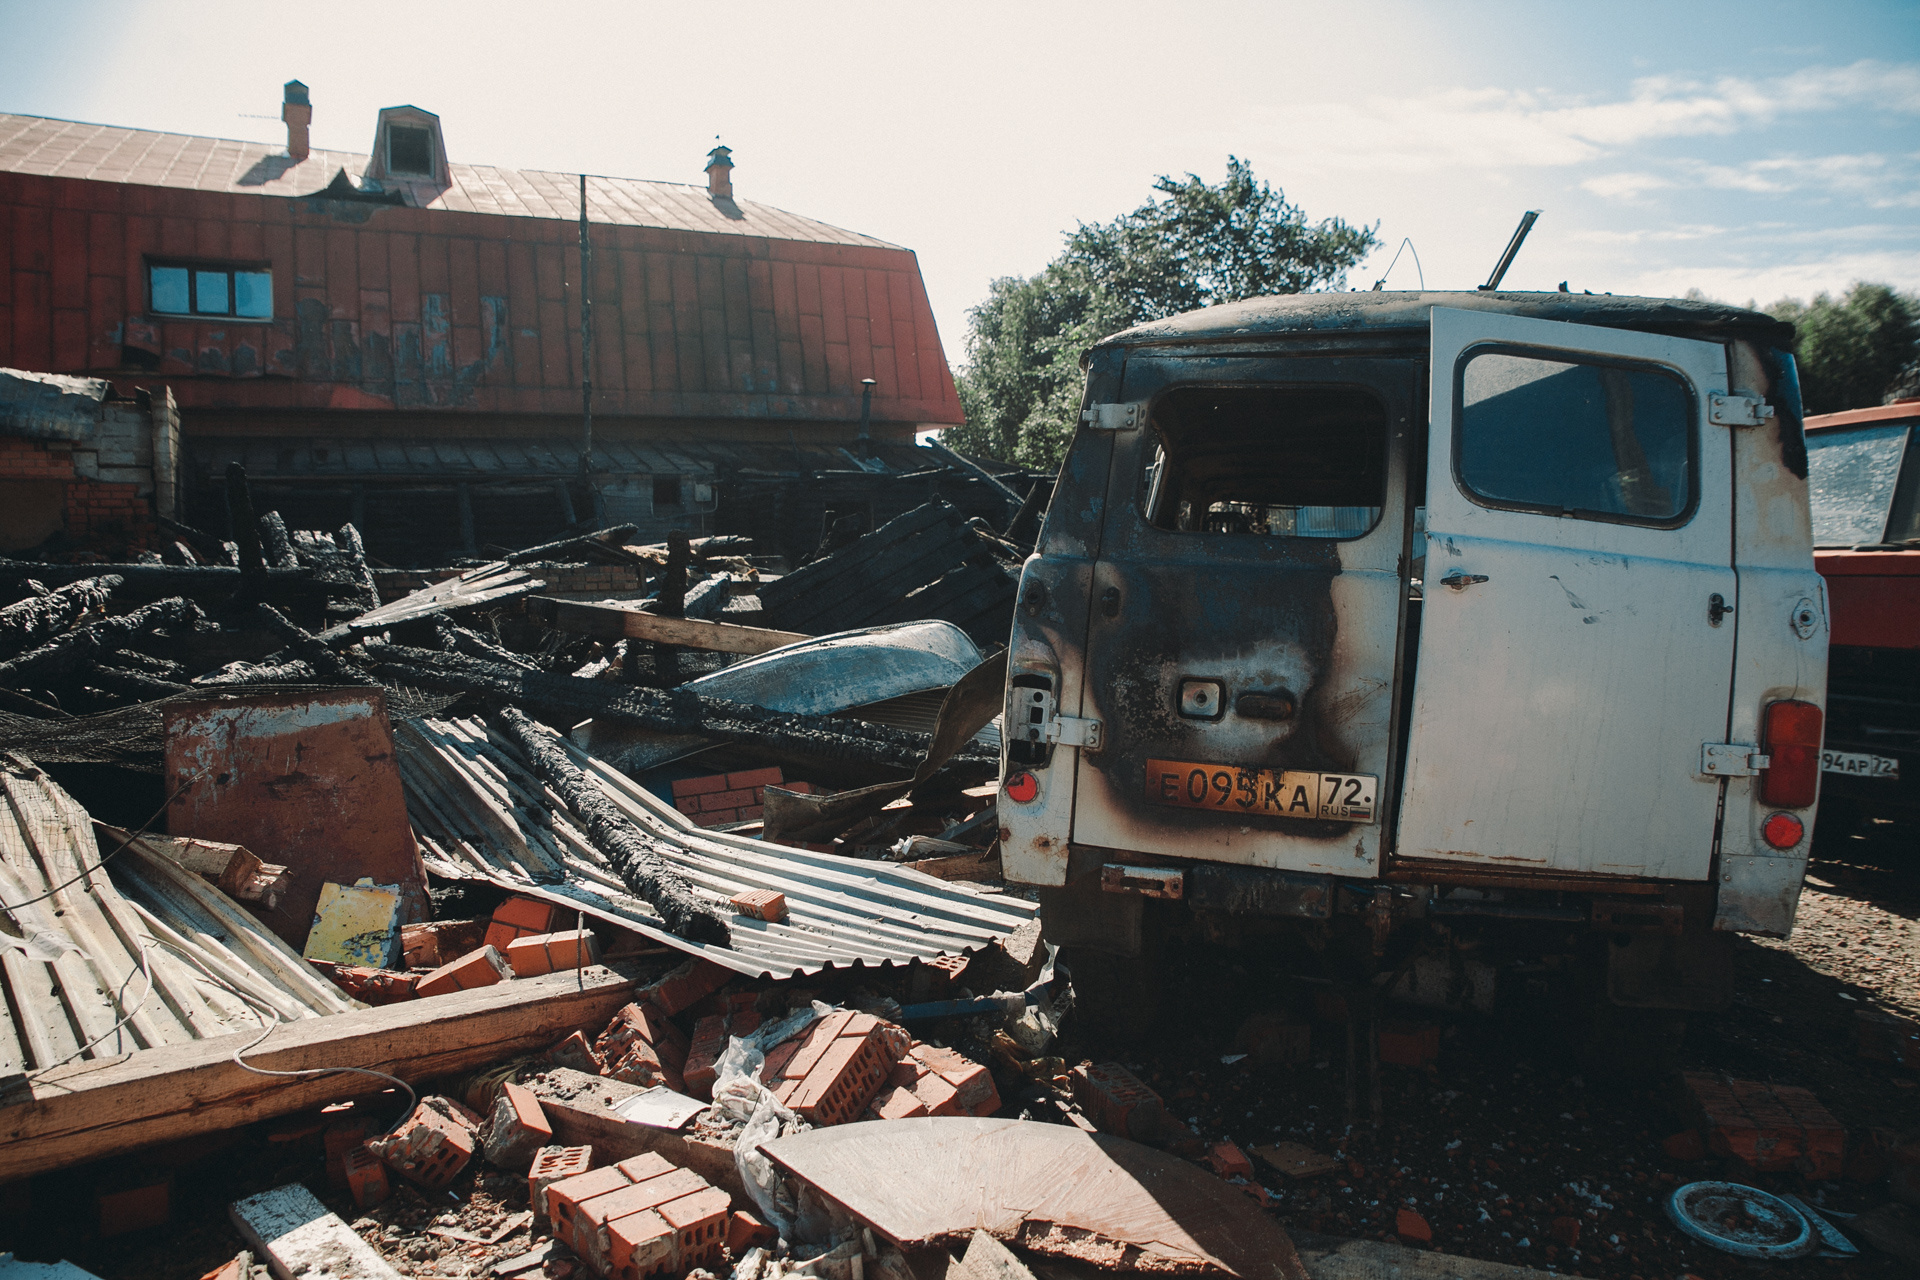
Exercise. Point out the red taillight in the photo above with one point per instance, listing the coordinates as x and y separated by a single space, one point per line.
1790 738
1782 830
1022 787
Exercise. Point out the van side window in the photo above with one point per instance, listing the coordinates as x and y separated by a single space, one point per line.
1290 462
1574 438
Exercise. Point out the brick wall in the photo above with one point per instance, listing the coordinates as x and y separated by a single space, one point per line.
108 504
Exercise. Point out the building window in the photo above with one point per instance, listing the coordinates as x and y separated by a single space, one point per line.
666 491
409 150
210 289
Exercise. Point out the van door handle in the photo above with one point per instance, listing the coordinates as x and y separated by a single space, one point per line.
1461 581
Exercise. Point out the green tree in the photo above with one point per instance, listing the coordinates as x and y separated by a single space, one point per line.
1194 245
1852 352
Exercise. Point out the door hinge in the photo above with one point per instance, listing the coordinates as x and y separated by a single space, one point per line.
1115 417
1074 731
1737 411
1731 760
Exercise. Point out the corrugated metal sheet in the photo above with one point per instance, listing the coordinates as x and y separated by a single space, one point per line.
106 153
77 980
479 812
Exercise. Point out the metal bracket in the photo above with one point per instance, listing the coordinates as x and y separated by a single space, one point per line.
1728 410
1074 731
1731 760
1148 882
1115 417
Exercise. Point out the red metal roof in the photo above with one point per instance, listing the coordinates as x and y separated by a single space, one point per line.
104 153
468 299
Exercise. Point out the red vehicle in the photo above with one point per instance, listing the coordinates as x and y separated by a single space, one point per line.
1864 477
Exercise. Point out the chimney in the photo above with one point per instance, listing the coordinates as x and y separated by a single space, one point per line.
298 113
720 173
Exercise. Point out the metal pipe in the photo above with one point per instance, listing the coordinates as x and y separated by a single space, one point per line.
586 335
1527 220
866 413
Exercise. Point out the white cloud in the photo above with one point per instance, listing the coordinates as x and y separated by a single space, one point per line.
1497 128
1624 186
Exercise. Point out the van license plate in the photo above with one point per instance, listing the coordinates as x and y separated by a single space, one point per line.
1265 793
1859 764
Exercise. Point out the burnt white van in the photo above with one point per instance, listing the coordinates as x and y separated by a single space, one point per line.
1405 618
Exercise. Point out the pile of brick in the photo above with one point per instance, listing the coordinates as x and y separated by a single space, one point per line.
1769 1128
523 939
641 1217
930 1081
720 799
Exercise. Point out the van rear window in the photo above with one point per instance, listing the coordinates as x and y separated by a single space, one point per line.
1272 461
1571 438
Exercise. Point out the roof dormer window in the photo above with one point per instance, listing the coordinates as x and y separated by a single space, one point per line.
407 147
409 150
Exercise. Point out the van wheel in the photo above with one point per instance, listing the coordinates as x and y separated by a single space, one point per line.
1114 997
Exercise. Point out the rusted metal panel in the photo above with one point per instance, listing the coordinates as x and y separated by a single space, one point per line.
304 779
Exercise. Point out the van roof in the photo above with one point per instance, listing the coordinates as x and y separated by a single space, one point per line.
1408 312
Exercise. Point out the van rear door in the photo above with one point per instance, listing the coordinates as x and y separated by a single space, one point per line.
1246 608
1576 641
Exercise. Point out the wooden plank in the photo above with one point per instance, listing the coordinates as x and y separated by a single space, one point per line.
299 1236
87 1110
611 622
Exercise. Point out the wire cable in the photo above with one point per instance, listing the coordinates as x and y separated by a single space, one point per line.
146 967
413 1099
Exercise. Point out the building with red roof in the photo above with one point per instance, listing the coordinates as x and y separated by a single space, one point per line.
395 337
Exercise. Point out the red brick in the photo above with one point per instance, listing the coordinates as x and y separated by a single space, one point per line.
744 1232
480 968
564 1199
645 1021
699 786
589 1235
1116 1100
1409 1044
366 1177
682 987
517 1129
577 1053
433 1145
347 1127
761 904
726 800
972 1083
1565 1231
749 812
700 1226
1229 1161
689 806
649 1164
640 1244
1409 1225
552 1165
896 1104
537 953
769 777
936 1095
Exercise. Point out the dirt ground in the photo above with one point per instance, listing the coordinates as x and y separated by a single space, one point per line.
1509 1131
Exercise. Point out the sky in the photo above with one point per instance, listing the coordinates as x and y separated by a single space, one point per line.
1752 151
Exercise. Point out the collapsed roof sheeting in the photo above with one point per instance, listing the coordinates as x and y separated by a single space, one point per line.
479 812
141 954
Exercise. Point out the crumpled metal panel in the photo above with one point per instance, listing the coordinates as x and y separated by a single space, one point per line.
305 779
50 406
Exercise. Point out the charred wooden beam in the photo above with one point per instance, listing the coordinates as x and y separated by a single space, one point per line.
137 685
634 854
38 619
200 582
618 622
66 654
302 645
